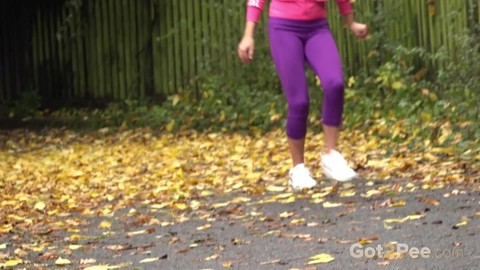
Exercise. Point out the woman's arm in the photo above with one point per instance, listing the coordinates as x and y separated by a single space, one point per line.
254 10
250 29
246 48
360 30
348 19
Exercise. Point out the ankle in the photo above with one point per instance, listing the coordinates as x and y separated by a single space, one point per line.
328 150
297 162
297 165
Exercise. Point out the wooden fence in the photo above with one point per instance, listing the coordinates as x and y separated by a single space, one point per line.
121 49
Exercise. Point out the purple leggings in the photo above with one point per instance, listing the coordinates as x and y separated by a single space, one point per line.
294 42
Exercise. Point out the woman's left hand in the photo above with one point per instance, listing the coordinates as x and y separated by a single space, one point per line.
360 30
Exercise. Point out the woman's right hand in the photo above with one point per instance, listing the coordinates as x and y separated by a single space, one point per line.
246 49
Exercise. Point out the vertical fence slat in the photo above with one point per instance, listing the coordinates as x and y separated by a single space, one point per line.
105 52
162 46
98 68
127 11
73 48
119 55
206 49
47 58
192 43
112 49
53 48
135 48
38 43
157 46
216 34
138 53
60 39
170 43
226 30
54 61
197 27
183 48
177 52
92 50
424 25
4 92
80 41
14 35
141 48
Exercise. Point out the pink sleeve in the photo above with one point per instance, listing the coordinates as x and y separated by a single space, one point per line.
344 6
254 9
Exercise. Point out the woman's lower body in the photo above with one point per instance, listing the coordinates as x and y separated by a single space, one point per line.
294 43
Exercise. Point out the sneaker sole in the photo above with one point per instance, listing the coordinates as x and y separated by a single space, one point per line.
299 188
330 176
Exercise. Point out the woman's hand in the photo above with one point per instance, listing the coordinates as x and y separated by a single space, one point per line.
246 49
360 30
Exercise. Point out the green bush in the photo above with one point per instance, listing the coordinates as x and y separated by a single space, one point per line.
27 105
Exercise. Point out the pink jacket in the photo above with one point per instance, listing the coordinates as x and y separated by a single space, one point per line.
294 9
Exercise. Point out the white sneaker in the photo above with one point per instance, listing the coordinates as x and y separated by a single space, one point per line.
301 178
336 167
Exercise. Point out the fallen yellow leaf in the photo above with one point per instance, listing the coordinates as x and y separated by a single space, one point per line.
321 258
204 227
149 260
227 264
38 248
283 195
463 223
74 247
331 205
159 206
218 205
399 220
241 200
181 206
347 193
286 214
372 192
276 188
206 193
14 262
61 262
105 225
40 206
394 256
287 200
194 204
297 221
130 234
398 203
364 241
213 257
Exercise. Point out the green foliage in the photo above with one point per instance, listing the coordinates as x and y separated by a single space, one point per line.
407 89
226 106
223 106
26 105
